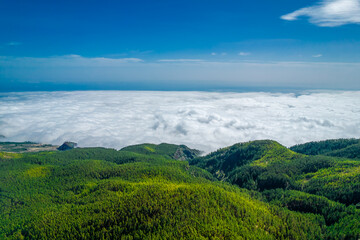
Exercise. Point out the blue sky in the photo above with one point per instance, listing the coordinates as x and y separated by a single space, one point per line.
179 45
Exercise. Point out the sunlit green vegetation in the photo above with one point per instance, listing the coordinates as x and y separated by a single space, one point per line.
255 190
262 165
315 184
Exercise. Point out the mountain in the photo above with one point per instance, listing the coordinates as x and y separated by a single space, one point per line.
261 165
178 152
227 159
253 190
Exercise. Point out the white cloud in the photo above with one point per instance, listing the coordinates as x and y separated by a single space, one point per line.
213 54
317 55
329 13
180 60
88 60
203 120
244 53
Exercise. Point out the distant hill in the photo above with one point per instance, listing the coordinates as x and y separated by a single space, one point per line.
352 151
21 147
349 148
178 152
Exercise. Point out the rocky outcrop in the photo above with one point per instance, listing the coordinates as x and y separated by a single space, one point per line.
184 153
67 146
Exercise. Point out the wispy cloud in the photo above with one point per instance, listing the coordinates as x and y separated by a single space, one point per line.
244 53
221 54
14 43
204 74
117 119
99 59
73 60
329 13
317 55
180 60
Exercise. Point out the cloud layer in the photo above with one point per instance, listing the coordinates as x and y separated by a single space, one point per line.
329 13
202 120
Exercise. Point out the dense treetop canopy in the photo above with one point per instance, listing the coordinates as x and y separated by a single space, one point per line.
253 190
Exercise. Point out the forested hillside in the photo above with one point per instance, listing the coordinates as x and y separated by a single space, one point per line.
254 190
349 148
311 182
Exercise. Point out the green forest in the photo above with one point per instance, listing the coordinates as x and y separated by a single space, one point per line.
252 190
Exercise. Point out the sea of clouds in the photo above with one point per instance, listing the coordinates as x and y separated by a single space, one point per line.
202 120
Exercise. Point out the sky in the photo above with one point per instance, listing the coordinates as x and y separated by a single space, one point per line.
229 45
202 120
